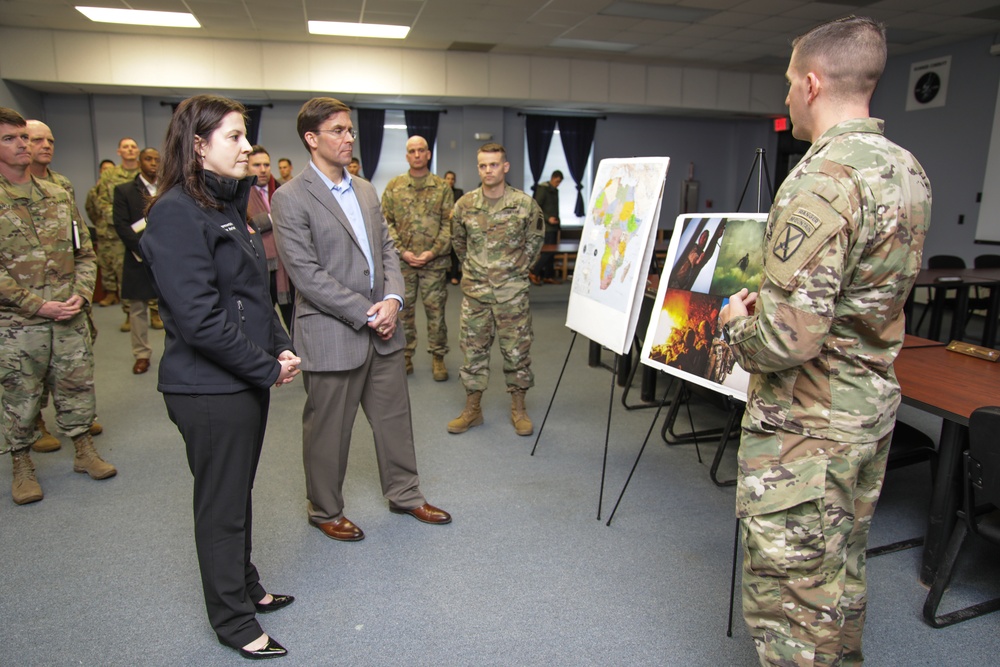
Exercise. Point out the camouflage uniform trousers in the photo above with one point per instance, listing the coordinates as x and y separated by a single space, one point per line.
480 323
111 259
804 586
431 284
56 355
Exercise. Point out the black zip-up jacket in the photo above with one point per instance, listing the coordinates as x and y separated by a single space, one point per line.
210 274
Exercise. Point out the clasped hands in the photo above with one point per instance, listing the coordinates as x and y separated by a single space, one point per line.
417 261
289 367
60 311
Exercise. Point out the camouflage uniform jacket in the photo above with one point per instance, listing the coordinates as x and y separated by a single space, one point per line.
91 205
39 262
105 223
67 185
419 216
842 249
496 245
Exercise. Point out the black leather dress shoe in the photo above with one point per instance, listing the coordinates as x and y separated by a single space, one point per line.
272 649
277 602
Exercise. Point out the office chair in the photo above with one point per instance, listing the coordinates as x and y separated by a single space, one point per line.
940 262
980 302
981 485
909 445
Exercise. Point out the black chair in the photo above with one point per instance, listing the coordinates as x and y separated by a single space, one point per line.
980 514
940 262
980 302
909 446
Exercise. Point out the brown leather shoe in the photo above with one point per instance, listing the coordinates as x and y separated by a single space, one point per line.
342 529
535 280
426 513
141 366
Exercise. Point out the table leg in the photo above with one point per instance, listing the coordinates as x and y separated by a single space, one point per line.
961 313
945 498
992 313
937 312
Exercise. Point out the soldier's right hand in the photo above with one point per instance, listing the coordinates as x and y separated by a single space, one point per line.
61 310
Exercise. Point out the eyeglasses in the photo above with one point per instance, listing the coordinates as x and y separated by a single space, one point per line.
339 132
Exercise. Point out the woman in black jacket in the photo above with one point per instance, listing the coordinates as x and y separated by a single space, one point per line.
224 349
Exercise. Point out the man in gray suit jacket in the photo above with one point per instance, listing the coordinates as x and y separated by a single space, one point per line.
335 245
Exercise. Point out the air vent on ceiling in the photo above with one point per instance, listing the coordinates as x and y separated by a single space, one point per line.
476 47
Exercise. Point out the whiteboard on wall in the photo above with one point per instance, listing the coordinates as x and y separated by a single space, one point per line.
988 225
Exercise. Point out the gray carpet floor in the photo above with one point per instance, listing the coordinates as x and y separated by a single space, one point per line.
105 573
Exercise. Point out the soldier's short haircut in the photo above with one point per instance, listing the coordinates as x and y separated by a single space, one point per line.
556 174
145 150
314 112
850 52
124 139
284 159
493 147
11 117
104 162
257 149
355 160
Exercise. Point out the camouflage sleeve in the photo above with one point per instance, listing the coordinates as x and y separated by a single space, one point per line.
91 205
803 269
458 235
86 264
389 213
536 232
442 244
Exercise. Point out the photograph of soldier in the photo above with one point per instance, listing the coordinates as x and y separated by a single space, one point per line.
697 254
417 207
685 329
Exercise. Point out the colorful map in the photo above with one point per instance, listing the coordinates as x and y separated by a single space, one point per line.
624 203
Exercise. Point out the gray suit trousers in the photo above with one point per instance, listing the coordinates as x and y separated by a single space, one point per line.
332 400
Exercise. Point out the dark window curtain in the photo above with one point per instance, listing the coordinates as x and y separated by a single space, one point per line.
253 122
371 129
422 124
577 136
538 130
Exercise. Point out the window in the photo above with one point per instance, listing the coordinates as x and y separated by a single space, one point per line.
392 160
556 160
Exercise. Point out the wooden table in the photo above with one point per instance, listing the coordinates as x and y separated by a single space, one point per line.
952 386
940 281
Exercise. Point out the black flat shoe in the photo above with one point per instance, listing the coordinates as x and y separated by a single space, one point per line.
277 602
271 649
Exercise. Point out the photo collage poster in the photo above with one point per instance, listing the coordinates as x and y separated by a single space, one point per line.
710 258
616 246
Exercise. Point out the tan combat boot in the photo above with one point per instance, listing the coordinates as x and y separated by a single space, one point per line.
409 365
471 416
439 370
154 319
26 488
110 299
96 428
126 325
87 460
46 442
518 415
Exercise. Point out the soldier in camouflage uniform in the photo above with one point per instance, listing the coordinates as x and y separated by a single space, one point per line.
842 249
417 207
91 203
497 233
110 249
41 146
47 277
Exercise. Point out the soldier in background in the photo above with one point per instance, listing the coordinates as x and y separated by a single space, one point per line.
547 196
417 207
110 251
42 147
47 276
91 203
354 168
842 249
455 272
497 232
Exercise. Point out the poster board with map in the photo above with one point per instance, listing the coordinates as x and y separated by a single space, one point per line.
615 249
710 258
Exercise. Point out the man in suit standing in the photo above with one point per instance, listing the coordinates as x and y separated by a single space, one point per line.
335 245
129 216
